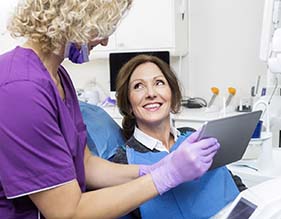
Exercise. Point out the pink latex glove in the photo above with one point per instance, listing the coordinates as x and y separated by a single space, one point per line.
190 161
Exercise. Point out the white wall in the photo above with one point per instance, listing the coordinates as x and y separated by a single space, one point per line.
6 41
224 45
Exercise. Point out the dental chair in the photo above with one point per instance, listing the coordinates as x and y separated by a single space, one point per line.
103 133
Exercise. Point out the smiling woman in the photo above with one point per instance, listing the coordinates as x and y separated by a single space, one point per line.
150 96
147 93
146 78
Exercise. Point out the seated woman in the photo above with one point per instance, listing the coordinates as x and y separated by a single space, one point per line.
147 92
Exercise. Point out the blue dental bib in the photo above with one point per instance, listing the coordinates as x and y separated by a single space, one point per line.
197 199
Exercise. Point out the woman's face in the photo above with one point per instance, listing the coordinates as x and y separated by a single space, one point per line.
149 95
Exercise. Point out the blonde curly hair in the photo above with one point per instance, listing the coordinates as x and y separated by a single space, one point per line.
52 23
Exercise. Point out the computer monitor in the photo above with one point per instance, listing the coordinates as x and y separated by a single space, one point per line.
117 60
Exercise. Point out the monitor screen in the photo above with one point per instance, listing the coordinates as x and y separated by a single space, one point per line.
117 60
243 209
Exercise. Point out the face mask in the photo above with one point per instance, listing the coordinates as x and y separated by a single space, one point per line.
75 55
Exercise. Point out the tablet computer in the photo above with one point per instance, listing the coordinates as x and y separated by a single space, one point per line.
233 134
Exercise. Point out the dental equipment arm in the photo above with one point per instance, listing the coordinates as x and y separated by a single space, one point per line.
215 92
232 92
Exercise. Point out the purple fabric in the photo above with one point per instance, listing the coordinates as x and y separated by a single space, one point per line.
42 137
77 56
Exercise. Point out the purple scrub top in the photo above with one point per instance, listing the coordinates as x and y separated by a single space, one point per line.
42 137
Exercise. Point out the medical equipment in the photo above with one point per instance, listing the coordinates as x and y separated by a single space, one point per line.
258 85
215 92
232 92
255 89
270 52
270 22
245 104
194 102
274 59
257 132
262 201
265 157
264 104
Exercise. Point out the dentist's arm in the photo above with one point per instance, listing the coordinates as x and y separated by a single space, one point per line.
188 162
67 201
101 173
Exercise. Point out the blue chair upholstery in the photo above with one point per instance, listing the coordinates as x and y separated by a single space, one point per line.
103 133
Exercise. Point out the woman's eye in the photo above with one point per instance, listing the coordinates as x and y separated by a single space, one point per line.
138 86
160 82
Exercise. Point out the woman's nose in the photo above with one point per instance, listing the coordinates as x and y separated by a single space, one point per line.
151 92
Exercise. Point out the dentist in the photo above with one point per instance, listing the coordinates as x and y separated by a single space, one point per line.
46 169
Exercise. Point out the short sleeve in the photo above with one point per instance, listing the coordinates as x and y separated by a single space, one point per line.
33 152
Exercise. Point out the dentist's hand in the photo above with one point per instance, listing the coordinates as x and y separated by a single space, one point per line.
144 169
190 161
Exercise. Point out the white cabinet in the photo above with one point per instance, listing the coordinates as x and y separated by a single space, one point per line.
152 25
